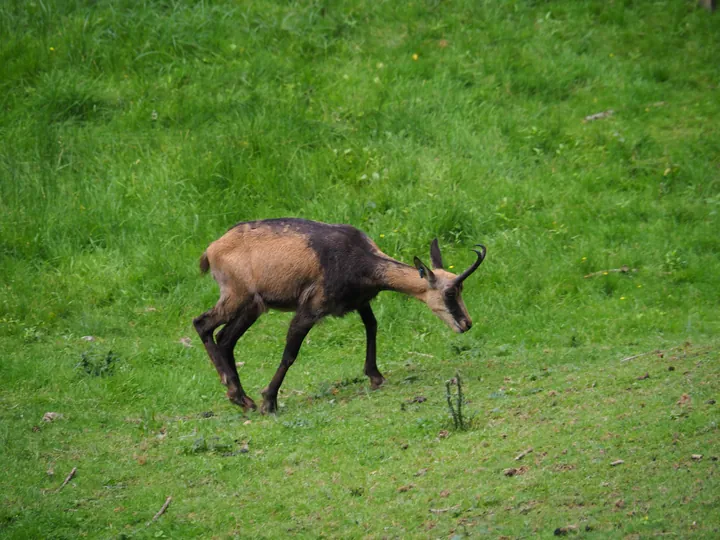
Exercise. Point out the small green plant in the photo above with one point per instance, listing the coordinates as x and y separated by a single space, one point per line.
32 334
212 445
674 261
97 364
330 389
456 410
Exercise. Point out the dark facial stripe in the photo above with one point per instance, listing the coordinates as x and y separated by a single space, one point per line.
453 308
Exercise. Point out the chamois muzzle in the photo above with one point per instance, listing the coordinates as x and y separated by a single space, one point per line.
481 257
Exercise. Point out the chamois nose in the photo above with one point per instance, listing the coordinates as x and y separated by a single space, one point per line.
465 325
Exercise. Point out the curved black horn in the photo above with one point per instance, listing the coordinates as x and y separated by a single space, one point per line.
474 266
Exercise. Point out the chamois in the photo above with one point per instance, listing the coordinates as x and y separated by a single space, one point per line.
314 269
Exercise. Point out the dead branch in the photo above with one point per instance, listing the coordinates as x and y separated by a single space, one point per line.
443 510
655 351
633 357
421 354
160 512
523 454
623 270
598 116
67 479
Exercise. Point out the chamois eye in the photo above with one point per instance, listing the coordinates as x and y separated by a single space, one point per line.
452 293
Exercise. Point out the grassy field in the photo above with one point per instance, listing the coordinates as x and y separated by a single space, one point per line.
132 134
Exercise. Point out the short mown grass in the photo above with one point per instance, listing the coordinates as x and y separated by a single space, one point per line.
134 133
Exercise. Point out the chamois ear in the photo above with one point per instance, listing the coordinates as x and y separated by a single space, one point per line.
425 272
435 257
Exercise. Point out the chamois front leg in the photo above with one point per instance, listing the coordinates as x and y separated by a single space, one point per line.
299 328
371 369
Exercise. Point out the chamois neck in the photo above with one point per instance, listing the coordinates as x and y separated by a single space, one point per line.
400 277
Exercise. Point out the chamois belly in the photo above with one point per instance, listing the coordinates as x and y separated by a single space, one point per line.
350 299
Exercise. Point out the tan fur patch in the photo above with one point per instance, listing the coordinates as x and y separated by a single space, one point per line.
406 280
251 261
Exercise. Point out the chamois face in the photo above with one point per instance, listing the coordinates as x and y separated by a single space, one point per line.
445 300
443 295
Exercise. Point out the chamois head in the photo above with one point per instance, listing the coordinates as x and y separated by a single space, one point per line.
443 296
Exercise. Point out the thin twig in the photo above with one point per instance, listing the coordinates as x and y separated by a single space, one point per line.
655 351
598 116
67 479
633 357
160 512
623 270
443 510
421 354
523 454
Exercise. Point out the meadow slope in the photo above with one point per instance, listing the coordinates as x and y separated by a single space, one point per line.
132 134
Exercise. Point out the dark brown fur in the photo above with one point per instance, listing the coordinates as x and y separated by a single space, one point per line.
315 270
204 264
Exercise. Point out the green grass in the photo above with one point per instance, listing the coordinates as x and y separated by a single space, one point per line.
134 133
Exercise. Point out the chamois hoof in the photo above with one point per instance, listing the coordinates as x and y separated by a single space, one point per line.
243 401
376 382
270 404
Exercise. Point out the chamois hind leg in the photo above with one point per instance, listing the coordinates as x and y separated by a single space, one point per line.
299 328
206 324
227 338
371 369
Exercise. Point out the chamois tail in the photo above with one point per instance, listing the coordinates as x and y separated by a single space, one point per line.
204 263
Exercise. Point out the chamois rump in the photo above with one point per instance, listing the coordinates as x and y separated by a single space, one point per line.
314 269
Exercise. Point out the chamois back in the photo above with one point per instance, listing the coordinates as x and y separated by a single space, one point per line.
272 266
